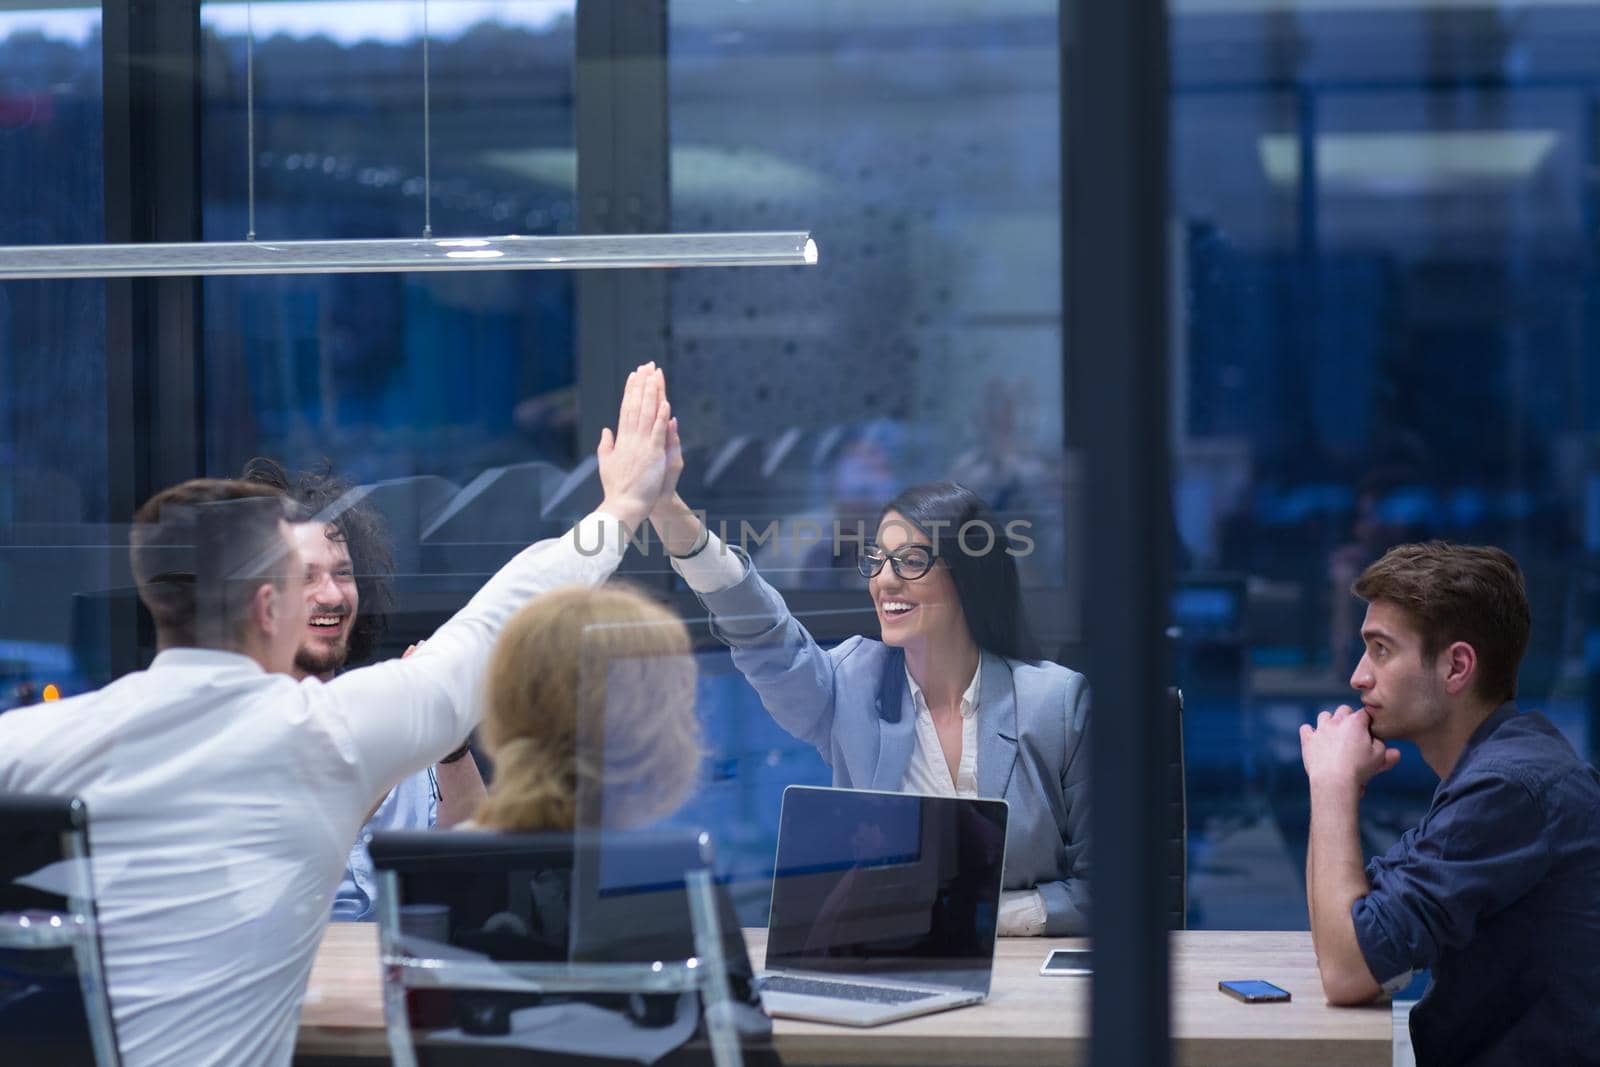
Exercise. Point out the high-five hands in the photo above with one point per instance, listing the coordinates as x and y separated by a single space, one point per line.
1340 752
633 460
678 527
669 485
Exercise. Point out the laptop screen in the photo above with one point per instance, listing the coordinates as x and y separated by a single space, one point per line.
888 885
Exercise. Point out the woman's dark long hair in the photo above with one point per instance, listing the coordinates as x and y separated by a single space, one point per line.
979 553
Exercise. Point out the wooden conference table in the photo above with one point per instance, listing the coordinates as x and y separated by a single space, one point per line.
1028 1019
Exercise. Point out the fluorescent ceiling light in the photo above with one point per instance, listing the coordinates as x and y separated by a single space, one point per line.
707 172
602 252
349 22
1291 7
1416 161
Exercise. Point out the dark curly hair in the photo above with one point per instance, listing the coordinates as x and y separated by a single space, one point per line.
323 495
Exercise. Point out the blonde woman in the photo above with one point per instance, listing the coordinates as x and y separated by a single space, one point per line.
589 714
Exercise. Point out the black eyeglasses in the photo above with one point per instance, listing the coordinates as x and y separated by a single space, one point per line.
909 563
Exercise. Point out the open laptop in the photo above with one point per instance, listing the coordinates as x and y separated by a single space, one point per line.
884 905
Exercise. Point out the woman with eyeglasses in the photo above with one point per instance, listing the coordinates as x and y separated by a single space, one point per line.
952 701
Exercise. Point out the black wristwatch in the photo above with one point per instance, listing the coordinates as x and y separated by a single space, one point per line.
466 746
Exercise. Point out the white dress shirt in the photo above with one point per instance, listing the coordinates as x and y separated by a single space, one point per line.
1022 911
929 771
223 800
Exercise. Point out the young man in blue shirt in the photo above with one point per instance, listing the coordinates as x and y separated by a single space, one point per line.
1497 889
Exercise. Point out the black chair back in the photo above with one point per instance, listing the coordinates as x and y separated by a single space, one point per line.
1177 818
526 937
53 1003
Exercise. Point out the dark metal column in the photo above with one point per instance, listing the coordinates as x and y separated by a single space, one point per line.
623 187
1114 78
151 64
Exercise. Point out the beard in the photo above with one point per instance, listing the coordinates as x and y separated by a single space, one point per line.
322 659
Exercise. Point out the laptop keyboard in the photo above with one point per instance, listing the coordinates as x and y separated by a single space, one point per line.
872 994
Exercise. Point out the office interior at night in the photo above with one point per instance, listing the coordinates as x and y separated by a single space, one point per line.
1322 275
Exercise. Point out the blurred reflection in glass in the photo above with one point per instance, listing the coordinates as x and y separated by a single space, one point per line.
921 144
1383 261
390 375
54 496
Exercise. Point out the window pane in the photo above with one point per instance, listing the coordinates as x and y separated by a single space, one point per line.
1386 262
52 355
921 147
390 375
923 151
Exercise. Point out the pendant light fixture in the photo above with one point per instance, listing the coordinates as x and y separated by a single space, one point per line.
427 253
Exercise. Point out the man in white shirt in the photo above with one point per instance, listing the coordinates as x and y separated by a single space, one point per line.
223 795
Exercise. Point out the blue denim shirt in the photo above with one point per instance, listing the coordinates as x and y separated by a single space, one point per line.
1497 890
411 805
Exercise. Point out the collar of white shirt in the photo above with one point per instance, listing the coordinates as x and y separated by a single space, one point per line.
969 698
211 659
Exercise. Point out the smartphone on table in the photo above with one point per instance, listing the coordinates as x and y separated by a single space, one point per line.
1066 961
1254 991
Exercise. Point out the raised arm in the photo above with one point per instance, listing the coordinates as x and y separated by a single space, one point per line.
774 652
404 714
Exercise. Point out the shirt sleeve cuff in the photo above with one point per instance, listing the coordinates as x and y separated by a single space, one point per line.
712 569
1380 948
1022 913
598 538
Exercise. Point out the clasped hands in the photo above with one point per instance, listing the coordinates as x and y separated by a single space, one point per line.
1341 754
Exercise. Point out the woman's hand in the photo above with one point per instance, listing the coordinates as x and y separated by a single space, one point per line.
633 461
675 524
669 484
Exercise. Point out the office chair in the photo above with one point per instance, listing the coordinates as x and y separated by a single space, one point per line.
53 1002
1174 787
586 948
1177 817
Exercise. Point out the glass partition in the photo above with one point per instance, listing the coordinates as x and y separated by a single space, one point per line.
922 147
1385 263
390 376
440 423
53 379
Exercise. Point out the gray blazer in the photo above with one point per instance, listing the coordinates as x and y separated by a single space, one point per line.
1032 734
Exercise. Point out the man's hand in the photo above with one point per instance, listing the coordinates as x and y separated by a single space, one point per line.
1340 751
633 461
